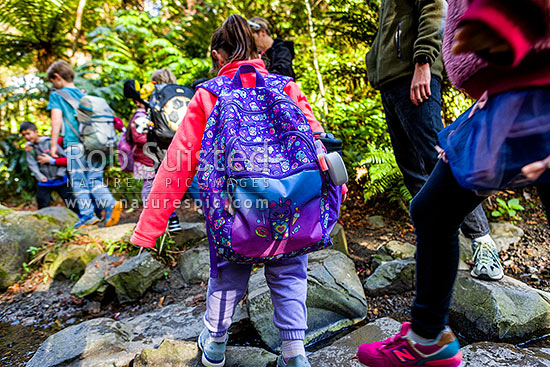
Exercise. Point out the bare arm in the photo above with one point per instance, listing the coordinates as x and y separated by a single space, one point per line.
57 121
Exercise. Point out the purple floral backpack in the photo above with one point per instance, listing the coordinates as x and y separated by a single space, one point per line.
264 195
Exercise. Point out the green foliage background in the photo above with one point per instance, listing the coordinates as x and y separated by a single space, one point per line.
121 40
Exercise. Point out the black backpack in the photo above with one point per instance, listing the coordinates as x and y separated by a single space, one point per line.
167 108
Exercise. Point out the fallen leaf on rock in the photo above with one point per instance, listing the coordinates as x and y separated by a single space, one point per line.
117 263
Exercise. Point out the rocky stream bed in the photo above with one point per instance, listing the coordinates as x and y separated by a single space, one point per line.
137 311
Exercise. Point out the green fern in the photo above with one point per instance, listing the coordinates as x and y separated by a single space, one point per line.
384 177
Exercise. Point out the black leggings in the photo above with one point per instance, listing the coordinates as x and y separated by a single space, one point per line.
437 213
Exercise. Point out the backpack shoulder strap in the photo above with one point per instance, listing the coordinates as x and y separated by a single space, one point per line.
72 101
216 85
73 129
278 82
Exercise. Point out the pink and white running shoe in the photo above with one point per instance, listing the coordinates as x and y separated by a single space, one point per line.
401 351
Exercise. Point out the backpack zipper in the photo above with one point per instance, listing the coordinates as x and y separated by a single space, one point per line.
231 142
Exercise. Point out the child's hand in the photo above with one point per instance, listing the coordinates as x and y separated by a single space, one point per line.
476 36
53 151
43 158
28 147
533 170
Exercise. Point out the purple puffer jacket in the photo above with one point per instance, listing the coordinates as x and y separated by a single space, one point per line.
523 24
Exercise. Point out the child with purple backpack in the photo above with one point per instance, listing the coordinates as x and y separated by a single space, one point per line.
250 135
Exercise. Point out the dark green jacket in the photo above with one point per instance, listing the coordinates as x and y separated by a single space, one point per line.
407 29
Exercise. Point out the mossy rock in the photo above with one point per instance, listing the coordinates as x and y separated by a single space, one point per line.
18 232
176 353
69 260
507 310
134 277
93 280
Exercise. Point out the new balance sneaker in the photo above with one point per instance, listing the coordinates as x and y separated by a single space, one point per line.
401 351
174 224
298 361
112 214
487 265
89 220
213 353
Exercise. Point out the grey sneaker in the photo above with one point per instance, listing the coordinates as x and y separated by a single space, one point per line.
298 361
213 354
486 262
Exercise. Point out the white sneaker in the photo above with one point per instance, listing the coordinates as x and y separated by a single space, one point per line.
487 264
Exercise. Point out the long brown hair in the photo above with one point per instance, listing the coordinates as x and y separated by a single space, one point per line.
164 76
234 38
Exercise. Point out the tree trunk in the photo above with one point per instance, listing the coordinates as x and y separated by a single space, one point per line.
44 59
315 62
78 23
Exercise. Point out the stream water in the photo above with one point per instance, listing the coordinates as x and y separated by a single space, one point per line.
18 343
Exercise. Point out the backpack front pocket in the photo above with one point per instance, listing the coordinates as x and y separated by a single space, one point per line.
275 206
276 216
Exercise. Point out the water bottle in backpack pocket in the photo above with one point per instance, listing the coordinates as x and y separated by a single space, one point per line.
264 195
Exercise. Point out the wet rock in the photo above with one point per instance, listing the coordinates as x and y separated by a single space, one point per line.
506 310
486 354
175 353
341 351
87 344
393 277
132 278
175 321
335 298
105 342
339 241
194 264
121 232
69 260
504 234
190 233
376 221
249 357
93 308
93 279
18 232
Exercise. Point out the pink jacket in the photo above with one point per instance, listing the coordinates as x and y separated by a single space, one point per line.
180 164
524 24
